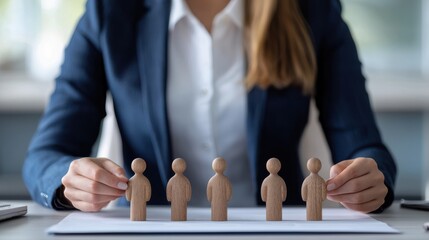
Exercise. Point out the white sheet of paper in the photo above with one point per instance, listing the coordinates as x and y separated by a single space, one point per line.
240 220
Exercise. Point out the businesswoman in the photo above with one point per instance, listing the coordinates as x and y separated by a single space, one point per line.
199 79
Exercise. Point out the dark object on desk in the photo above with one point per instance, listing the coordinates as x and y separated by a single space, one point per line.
10 211
415 204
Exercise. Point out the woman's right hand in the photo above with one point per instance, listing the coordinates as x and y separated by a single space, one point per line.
91 183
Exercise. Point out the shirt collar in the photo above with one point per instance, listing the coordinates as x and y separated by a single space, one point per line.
179 9
234 10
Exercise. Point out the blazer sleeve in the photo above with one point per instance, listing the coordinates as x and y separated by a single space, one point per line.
72 119
341 97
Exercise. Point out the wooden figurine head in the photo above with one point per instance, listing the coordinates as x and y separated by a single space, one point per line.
273 165
314 165
138 165
178 166
219 165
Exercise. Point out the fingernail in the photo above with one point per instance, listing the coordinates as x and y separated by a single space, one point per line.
122 186
330 187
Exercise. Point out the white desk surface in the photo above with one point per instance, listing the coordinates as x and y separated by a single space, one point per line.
38 219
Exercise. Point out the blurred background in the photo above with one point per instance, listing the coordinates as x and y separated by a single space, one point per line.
393 41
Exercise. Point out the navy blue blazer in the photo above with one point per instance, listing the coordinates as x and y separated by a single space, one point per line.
121 47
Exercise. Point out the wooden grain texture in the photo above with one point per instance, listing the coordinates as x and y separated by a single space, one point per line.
219 191
179 191
313 190
273 191
139 191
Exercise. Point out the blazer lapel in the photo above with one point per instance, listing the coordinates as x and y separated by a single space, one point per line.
256 99
152 45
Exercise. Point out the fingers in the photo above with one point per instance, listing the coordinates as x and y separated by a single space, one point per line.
360 183
79 195
91 183
361 197
113 168
357 184
85 184
95 171
351 169
366 200
339 167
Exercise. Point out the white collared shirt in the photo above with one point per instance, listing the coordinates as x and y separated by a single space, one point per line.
206 99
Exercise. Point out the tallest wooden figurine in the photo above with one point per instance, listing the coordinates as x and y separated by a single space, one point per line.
313 190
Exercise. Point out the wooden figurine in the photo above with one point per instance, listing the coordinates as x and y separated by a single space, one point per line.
273 191
313 190
219 191
178 191
139 191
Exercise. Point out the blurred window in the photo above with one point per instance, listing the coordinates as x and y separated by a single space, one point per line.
33 34
389 34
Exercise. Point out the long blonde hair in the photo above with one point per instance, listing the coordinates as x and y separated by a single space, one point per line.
279 48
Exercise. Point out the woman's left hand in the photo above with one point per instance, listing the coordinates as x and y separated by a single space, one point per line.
357 184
